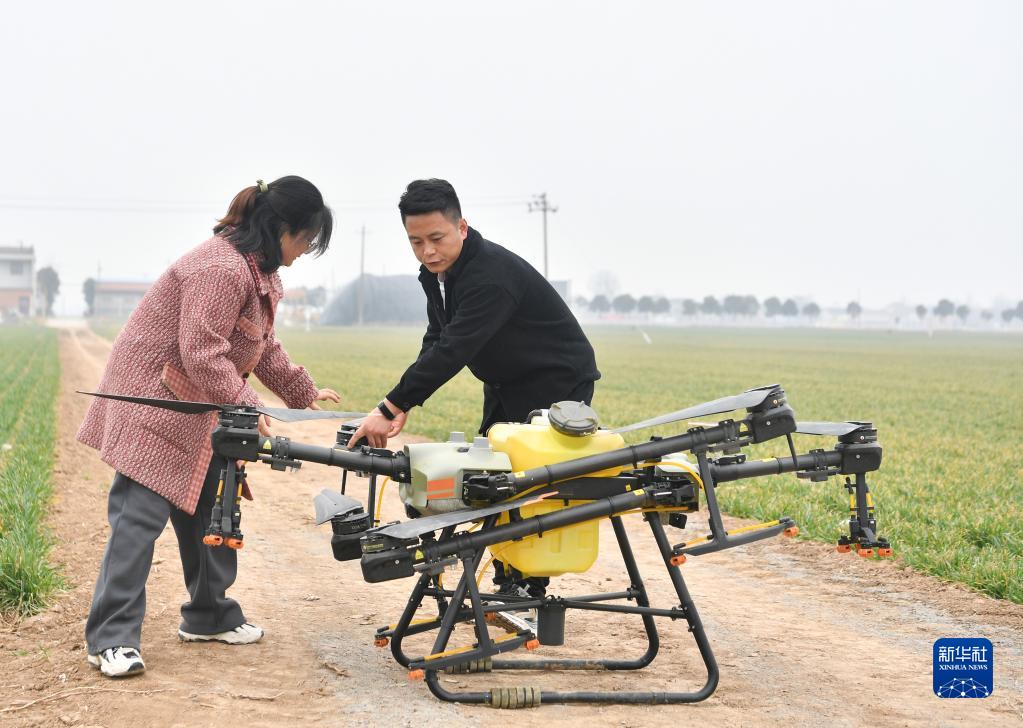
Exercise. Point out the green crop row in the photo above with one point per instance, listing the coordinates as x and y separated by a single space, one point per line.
29 377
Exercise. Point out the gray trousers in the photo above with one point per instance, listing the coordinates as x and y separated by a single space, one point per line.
137 517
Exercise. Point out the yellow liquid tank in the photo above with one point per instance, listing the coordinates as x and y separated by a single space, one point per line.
571 549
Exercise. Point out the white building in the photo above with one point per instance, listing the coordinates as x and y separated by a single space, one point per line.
17 281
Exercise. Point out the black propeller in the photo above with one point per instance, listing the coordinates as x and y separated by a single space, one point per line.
833 429
749 398
194 408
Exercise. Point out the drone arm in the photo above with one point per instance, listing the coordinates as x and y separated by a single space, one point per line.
755 468
504 485
394 465
844 460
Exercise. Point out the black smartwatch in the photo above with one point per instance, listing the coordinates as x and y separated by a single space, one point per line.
385 411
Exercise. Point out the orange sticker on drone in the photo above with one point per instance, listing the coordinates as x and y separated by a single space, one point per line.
436 489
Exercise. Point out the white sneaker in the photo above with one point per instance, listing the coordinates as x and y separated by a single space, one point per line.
244 634
517 618
118 662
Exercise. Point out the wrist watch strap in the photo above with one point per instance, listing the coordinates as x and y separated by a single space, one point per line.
385 411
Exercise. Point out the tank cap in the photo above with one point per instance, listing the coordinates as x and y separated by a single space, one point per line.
456 437
480 443
573 418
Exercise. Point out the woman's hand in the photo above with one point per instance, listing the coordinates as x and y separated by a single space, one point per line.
323 395
263 424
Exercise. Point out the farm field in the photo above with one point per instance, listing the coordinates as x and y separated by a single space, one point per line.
949 409
785 618
29 373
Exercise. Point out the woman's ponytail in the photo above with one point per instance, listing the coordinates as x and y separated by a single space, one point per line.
240 209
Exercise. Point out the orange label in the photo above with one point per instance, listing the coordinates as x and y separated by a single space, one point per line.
436 489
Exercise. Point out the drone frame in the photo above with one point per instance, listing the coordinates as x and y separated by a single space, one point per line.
389 552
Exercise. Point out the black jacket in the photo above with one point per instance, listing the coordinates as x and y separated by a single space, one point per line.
506 323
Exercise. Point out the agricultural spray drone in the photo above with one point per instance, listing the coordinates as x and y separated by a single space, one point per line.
533 494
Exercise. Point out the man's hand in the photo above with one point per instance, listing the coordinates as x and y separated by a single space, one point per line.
377 429
263 424
324 394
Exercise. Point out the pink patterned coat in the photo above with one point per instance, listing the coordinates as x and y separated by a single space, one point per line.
198 333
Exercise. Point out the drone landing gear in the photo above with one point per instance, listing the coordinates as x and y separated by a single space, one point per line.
479 657
226 515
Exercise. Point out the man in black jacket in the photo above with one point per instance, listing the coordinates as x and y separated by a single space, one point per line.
488 309
491 311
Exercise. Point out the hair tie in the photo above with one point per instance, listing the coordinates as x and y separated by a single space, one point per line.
261 185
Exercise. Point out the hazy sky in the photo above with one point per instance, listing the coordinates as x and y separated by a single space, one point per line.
834 150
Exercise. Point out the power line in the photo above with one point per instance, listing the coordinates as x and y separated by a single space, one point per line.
162 207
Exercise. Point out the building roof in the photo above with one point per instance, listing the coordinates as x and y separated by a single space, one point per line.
24 253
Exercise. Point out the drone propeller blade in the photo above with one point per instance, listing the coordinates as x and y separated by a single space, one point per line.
177 405
749 398
194 408
833 429
299 415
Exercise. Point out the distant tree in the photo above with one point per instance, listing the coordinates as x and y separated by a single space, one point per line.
1019 310
944 309
789 308
690 307
811 310
581 302
600 304
987 314
89 291
1008 314
921 311
49 285
734 305
752 305
661 305
710 305
645 304
624 304
854 309
963 311
772 306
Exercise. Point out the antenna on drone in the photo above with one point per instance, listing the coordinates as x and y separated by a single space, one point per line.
540 203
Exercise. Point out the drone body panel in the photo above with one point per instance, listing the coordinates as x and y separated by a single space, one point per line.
565 550
572 549
437 470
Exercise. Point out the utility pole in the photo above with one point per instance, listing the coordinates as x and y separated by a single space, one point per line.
541 204
362 273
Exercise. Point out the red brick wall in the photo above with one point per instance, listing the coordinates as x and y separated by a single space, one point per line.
11 298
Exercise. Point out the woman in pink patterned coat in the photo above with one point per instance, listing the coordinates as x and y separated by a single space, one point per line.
201 330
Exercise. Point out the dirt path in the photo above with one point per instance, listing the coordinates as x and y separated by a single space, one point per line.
802 635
